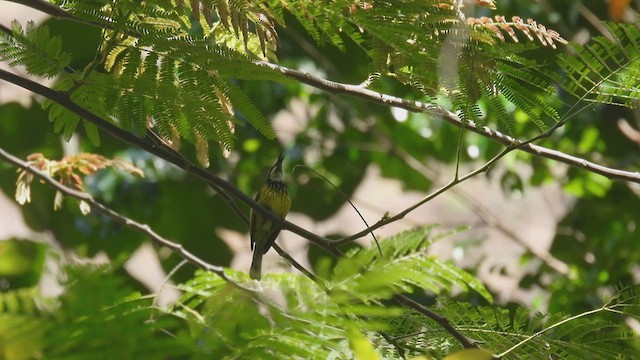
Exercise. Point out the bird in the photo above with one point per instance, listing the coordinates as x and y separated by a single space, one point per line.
274 196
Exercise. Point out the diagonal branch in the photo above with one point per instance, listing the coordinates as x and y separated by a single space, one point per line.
159 151
441 320
193 259
438 111
45 7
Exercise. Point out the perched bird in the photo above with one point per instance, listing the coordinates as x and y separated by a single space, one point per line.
274 196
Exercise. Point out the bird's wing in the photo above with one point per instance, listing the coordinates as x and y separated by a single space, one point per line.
270 238
257 221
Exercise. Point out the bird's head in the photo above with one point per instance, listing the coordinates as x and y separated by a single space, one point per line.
276 174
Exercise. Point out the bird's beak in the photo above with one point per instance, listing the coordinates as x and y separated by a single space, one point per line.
279 162
276 169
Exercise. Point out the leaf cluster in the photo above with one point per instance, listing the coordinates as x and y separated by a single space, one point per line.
400 269
97 317
176 66
316 321
160 76
606 71
288 316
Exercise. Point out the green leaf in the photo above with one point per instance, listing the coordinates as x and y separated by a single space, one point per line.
361 347
92 132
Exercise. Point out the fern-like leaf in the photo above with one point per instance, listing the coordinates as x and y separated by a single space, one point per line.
35 49
404 264
605 71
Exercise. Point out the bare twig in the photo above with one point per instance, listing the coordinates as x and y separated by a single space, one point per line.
482 212
375 239
426 199
627 130
300 268
46 7
595 21
603 308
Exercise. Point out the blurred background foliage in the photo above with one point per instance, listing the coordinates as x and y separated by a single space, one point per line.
340 137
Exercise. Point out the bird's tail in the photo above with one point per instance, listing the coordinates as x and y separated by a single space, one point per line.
256 264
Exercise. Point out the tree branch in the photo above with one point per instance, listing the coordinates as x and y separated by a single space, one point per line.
45 7
300 268
159 151
438 111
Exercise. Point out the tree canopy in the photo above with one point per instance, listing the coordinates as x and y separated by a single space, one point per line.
147 127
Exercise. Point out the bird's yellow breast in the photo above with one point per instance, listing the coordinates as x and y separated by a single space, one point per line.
275 196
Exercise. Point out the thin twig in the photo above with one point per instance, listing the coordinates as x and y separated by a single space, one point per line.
426 199
441 320
627 130
165 283
482 212
300 268
595 22
375 239
529 338
46 7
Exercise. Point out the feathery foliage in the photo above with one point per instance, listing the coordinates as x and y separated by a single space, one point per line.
316 318
607 69
161 76
175 65
521 334
34 48
97 317
288 316
402 267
